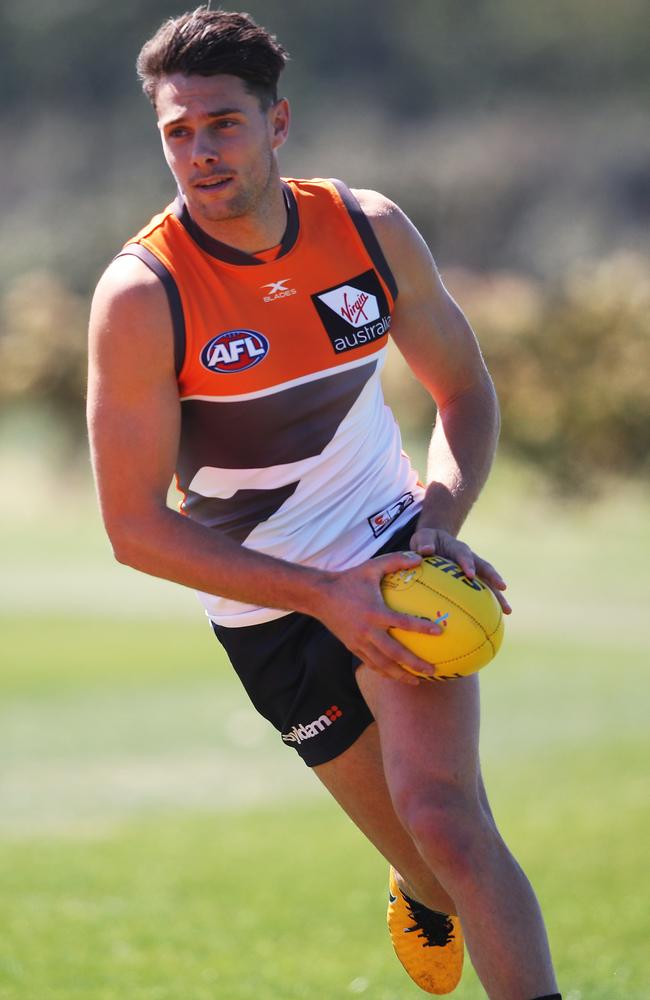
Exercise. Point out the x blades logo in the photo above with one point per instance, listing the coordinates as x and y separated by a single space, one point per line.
278 290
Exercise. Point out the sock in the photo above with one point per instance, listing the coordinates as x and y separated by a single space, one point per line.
550 996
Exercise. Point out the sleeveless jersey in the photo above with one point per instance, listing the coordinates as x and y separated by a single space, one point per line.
286 444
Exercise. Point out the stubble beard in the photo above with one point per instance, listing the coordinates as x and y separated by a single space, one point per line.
247 201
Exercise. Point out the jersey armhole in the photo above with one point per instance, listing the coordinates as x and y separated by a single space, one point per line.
367 234
173 297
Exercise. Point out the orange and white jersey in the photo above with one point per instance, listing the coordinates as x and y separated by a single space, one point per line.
286 443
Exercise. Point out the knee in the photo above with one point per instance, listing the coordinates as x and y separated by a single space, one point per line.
449 827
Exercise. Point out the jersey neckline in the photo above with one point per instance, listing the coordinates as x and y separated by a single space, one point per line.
231 255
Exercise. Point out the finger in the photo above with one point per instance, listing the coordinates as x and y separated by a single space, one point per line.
462 554
389 669
397 653
500 596
423 542
411 623
472 565
503 601
449 546
392 562
495 582
487 572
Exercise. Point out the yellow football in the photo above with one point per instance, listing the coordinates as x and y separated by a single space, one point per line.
469 613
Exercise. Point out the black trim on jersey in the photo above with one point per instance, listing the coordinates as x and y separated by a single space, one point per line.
275 430
282 427
173 297
293 221
367 234
241 513
231 255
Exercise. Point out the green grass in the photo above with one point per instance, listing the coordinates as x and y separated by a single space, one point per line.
136 858
157 842
287 903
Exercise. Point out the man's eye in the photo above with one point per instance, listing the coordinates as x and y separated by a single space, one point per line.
177 133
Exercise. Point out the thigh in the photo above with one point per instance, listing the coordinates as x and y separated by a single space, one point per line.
429 734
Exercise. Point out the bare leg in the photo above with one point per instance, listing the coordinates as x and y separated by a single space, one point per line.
429 743
356 780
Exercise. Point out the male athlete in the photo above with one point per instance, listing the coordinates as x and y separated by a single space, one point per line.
237 340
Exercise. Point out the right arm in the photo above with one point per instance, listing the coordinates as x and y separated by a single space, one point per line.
134 428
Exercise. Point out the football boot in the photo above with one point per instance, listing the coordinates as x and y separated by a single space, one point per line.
429 944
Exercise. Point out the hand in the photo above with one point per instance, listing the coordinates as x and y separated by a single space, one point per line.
353 608
435 541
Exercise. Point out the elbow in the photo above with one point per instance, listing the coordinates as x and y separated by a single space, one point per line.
123 547
486 383
127 541
138 537
489 401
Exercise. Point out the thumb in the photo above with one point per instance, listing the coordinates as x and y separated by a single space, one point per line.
394 561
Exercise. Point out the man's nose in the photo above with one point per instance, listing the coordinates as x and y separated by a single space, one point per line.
205 149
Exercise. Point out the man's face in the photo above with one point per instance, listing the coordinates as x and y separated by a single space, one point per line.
219 143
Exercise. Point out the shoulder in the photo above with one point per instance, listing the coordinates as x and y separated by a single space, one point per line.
375 204
130 319
428 326
129 288
406 251
386 217
127 278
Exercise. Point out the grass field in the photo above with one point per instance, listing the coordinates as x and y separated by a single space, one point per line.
157 842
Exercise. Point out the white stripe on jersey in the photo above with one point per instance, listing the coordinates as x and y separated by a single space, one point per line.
325 522
379 356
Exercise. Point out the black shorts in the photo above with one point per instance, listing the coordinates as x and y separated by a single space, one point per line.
301 678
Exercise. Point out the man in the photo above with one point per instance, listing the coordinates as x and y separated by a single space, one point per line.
237 340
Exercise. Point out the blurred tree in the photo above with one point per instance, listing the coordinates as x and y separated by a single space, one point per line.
514 134
570 367
492 121
43 348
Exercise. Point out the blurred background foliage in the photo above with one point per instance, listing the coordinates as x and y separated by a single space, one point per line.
515 135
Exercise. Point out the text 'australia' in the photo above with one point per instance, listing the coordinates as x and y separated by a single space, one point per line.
363 335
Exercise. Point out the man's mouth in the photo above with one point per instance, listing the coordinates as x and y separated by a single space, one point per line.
212 183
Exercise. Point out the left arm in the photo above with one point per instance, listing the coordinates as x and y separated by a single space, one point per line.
437 341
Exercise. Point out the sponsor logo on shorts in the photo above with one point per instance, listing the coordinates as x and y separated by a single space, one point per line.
307 730
354 313
384 518
234 351
277 290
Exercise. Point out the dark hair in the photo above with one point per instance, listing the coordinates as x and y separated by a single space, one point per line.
206 42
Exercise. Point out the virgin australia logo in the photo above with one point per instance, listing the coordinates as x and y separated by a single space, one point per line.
352 304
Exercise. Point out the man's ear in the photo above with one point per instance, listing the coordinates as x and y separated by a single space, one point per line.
280 119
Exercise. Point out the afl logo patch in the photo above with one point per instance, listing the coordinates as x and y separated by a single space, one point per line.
234 351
